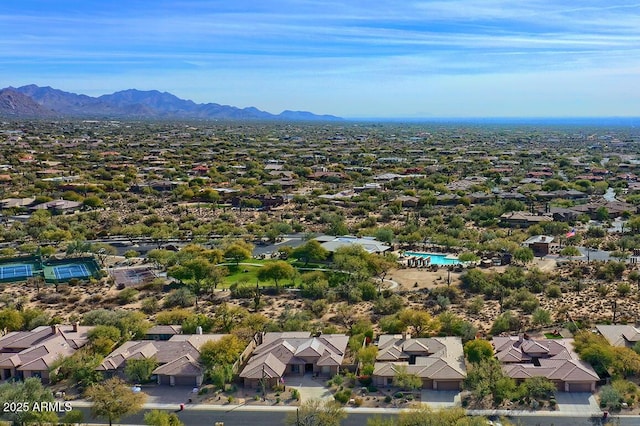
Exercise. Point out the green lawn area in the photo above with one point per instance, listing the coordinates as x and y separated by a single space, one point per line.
238 274
552 336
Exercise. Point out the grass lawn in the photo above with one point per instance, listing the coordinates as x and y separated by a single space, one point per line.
249 274
237 273
552 336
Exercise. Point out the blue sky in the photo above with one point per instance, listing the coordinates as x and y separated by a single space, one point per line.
393 58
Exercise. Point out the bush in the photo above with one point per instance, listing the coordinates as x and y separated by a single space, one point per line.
337 380
357 402
149 305
388 305
242 291
372 389
554 291
610 397
295 394
181 297
128 295
365 380
387 399
343 396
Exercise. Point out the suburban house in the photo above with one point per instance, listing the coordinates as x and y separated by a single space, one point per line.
438 361
294 354
613 209
555 359
25 354
539 244
178 358
620 335
162 332
523 219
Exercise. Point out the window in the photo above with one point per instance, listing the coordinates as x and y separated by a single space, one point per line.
295 368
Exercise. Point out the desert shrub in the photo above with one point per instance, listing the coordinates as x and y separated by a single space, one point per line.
181 297
388 305
475 305
150 305
343 396
128 295
240 291
610 397
554 291
318 307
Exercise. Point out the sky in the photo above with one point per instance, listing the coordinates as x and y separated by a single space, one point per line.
355 59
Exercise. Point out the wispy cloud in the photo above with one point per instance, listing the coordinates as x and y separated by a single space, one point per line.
355 46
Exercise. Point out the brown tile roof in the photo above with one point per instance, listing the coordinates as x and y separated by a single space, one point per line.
36 350
165 351
556 359
439 358
185 366
281 349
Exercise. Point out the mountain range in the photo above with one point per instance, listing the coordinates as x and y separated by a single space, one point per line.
45 102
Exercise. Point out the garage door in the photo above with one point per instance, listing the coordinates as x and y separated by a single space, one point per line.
455 385
185 381
579 387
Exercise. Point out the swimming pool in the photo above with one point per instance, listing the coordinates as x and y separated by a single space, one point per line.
436 258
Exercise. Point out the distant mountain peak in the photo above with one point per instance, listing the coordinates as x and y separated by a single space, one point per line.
13 103
134 103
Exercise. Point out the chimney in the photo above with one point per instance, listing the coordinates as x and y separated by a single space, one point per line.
54 329
404 335
75 326
521 338
198 330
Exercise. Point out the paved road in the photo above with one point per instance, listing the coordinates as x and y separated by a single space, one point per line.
357 417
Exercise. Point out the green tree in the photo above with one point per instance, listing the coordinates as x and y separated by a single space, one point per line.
276 271
310 251
315 412
538 387
10 320
541 317
505 322
113 399
226 350
406 380
103 338
162 418
487 379
227 317
238 251
196 273
422 322
140 370
368 354
570 251
478 350
523 255
26 395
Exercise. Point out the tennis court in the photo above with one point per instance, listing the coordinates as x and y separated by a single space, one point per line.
15 271
71 271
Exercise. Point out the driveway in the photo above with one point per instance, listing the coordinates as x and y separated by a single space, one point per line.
440 399
577 403
309 387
